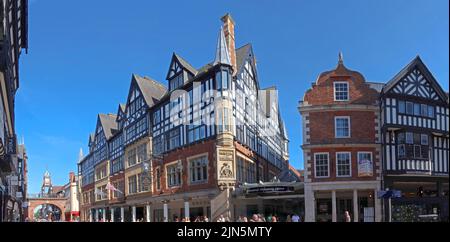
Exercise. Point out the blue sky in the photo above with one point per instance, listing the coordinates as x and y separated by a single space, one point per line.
82 54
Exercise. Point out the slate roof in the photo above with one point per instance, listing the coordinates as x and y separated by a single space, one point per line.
241 54
109 124
186 64
152 90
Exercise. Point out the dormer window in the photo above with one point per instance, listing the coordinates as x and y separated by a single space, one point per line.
176 82
341 90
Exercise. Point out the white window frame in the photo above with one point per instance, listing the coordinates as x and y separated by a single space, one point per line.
349 127
350 163
348 90
315 164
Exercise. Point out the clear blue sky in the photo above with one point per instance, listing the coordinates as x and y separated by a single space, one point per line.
82 54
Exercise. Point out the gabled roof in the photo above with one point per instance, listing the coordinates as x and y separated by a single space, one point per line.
416 63
242 53
183 63
186 64
150 89
109 124
122 107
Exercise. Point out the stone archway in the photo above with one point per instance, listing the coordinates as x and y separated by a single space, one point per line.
57 202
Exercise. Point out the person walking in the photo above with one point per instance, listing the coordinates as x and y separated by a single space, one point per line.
295 218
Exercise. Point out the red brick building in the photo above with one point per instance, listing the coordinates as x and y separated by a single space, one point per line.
340 117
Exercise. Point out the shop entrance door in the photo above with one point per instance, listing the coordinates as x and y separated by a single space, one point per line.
342 206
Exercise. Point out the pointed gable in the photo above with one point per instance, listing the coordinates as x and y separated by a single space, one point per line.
177 65
109 124
416 80
151 90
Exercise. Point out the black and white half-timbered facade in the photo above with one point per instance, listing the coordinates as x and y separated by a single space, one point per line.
176 151
415 141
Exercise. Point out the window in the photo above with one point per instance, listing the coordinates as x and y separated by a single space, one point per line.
117 165
321 165
142 186
198 170
173 175
196 132
409 108
431 111
174 140
424 110
240 169
415 145
132 184
343 164
142 153
401 106
341 91
100 173
251 172
118 185
409 138
158 144
102 193
131 157
222 79
156 117
416 109
424 139
342 127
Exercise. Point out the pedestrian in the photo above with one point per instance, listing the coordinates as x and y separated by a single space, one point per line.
295 218
347 217
239 219
274 219
244 219
269 218
221 218
254 218
288 218
205 219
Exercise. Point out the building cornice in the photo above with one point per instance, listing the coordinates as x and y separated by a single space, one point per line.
336 107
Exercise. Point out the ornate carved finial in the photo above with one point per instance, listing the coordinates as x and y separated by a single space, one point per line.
341 58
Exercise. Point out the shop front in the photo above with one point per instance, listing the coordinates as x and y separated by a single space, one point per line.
422 200
279 199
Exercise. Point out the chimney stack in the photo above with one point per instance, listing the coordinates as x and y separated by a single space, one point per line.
228 28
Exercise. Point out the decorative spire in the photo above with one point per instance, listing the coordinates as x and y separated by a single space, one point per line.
222 54
340 58
80 155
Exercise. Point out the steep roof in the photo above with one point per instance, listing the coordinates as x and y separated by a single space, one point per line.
109 124
417 63
151 89
222 54
122 107
241 54
186 64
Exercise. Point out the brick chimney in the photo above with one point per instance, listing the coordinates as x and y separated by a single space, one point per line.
228 28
